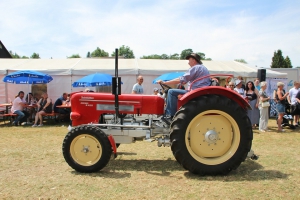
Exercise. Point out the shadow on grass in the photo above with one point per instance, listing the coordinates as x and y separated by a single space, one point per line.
145 165
119 168
247 171
105 173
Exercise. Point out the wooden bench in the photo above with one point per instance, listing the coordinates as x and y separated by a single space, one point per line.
8 116
52 116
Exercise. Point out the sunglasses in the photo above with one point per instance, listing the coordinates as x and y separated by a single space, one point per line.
231 85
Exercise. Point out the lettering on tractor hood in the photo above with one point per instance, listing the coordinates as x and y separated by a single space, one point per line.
85 97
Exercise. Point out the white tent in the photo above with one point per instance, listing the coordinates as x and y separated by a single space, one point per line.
66 71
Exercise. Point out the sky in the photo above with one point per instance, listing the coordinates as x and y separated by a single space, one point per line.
224 30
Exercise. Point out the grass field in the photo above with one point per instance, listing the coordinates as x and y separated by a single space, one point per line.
32 167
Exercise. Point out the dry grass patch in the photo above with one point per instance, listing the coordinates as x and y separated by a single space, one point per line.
32 167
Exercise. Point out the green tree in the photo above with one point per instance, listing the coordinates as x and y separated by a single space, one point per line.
288 63
240 60
14 55
185 53
88 55
164 56
25 57
202 56
99 53
175 56
124 51
35 56
278 60
75 56
154 56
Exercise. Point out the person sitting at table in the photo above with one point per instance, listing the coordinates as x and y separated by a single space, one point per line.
44 106
31 110
63 100
17 107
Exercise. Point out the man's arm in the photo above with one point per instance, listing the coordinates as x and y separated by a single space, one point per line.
47 104
134 89
289 96
289 99
23 103
174 81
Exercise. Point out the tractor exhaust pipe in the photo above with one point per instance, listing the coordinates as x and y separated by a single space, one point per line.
115 84
116 88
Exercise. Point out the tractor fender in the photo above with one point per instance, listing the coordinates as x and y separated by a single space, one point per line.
214 90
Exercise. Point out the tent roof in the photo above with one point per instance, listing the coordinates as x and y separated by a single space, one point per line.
85 66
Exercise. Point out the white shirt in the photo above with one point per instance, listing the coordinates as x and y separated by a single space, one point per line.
292 93
16 104
241 91
138 88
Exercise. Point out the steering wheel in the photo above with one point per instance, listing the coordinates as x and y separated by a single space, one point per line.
165 88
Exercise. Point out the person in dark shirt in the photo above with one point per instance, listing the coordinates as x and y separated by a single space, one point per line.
62 101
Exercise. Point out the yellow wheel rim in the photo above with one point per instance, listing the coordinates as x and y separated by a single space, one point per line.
212 137
86 150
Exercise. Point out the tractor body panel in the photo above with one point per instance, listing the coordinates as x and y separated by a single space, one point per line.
87 107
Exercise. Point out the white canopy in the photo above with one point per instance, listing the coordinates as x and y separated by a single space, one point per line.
66 71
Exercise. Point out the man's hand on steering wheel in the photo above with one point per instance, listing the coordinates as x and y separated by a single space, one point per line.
164 86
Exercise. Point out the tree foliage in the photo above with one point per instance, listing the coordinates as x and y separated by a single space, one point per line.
75 56
153 56
202 56
240 60
185 53
288 63
88 55
176 56
278 61
15 55
124 51
35 56
99 53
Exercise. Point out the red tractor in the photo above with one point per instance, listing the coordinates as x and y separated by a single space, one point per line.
210 134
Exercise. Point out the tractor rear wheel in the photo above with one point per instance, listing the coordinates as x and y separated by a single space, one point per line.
211 135
87 149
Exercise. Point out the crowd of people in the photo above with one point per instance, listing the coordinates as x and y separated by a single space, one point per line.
253 91
32 110
255 94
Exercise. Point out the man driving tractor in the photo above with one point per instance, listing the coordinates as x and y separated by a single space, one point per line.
197 70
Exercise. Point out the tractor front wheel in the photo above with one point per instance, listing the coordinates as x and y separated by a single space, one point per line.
211 135
87 149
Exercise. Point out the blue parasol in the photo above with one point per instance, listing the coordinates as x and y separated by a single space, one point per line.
168 76
27 77
93 80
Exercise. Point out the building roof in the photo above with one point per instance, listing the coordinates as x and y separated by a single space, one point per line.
3 51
